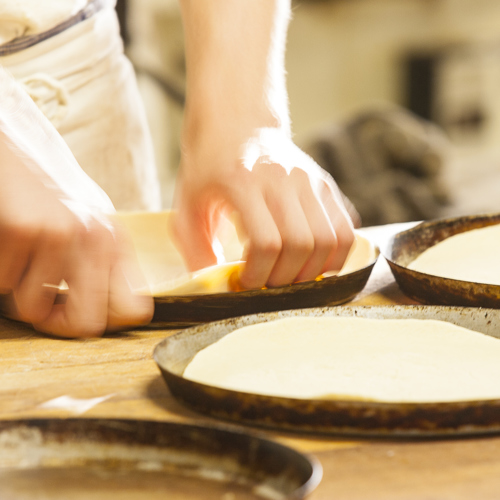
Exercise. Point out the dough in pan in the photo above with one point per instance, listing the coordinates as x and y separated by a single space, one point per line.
354 358
164 269
471 256
162 264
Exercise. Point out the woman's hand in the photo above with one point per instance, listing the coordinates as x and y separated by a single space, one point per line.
237 152
291 211
53 228
45 238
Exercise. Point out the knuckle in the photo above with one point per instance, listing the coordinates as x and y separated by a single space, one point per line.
80 232
62 233
96 235
9 276
269 247
301 176
269 176
326 242
346 239
34 307
29 312
21 231
300 244
278 170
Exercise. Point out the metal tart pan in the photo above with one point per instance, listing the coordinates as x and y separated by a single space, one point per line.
330 416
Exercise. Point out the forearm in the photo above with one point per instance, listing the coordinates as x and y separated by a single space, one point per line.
237 153
235 67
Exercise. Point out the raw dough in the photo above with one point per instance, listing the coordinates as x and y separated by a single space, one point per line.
470 256
161 262
164 269
354 358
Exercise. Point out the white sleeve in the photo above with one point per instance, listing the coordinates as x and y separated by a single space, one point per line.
27 132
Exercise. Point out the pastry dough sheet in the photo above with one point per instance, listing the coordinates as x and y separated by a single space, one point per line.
394 361
470 256
166 273
162 264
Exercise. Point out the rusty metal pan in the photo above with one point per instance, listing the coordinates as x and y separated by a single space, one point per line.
116 459
179 311
186 310
339 417
428 289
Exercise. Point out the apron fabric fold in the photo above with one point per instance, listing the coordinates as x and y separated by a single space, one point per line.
86 87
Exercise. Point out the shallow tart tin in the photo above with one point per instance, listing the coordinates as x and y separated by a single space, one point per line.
339 417
118 458
406 246
184 310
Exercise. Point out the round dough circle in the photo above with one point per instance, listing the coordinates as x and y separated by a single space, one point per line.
353 358
469 256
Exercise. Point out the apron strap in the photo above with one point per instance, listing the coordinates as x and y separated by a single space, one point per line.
24 42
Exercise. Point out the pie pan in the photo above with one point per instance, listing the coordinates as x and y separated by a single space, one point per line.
185 310
179 311
110 459
330 416
164 269
428 289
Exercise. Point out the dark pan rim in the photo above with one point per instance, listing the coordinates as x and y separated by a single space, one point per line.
269 292
194 438
189 310
338 417
405 246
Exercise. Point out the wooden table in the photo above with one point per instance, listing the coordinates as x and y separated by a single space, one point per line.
35 370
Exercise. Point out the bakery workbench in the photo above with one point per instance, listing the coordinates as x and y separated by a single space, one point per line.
115 377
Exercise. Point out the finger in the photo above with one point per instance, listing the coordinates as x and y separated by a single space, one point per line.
85 312
193 235
325 239
129 305
351 210
342 225
264 240
126 307
296 236
14 258
34 300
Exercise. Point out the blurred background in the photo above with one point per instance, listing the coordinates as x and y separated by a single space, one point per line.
398 99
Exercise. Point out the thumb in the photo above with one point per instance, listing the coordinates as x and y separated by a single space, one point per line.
193 237
129 303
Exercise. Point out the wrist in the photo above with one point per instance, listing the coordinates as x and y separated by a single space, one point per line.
223 131
228 117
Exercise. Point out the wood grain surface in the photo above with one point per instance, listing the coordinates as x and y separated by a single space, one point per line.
36 369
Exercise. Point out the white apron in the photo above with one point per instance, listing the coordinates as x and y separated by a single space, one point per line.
86 87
